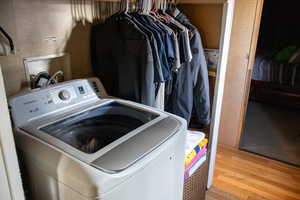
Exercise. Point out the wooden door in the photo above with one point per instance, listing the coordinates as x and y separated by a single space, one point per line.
246 22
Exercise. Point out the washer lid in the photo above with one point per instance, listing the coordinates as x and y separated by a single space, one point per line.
131 150
94 129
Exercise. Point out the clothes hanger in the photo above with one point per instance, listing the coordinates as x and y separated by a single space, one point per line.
83 12
126 6
147 10
156 8
92 11
121 12
153 11
143 7
77 12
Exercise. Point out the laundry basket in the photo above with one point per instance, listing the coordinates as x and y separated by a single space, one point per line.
195 186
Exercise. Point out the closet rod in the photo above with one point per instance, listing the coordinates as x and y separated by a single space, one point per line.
202 2
181 1
113 0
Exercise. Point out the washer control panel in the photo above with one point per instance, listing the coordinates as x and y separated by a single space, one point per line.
64 95
45 101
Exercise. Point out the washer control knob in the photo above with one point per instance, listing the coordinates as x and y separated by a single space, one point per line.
64 95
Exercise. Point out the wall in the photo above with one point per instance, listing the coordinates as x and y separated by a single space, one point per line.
208 19
30 22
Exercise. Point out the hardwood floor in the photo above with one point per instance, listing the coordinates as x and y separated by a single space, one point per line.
251 177
216 194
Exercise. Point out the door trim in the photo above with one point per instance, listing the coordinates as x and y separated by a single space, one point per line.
8 154
4 186
251 60
227 20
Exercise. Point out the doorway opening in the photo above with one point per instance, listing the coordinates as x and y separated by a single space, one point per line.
272 122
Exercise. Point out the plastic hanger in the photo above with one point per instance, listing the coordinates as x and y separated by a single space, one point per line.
126 6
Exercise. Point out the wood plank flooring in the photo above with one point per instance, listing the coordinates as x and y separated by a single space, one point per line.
251 177
216 194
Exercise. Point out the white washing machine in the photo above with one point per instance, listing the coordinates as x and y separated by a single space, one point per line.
77 144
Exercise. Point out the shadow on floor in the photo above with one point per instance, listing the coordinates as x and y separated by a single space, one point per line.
272 131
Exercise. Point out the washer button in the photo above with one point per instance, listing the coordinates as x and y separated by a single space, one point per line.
81 90
64 95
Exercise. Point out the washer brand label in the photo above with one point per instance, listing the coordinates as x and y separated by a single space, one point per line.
30 102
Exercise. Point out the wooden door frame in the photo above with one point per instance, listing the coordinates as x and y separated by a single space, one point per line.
227 21
12 185
251 60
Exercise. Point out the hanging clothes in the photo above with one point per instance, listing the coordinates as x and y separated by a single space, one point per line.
122 58
191 88
155 59
147 22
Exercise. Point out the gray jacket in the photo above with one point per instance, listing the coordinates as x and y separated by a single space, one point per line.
191 90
